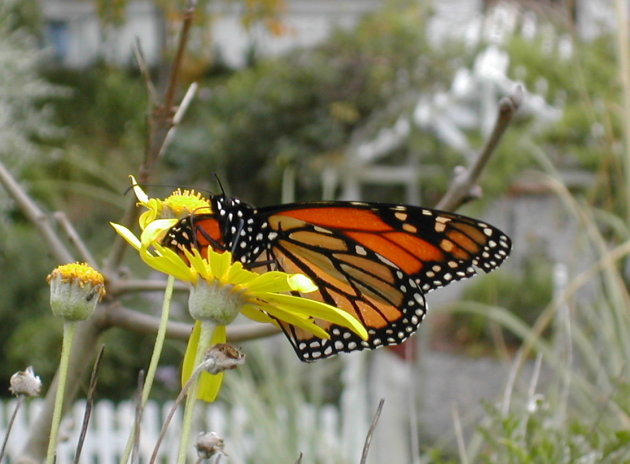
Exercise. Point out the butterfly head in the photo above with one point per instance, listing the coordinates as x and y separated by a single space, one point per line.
231 226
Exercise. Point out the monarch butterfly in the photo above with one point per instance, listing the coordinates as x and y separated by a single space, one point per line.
373 260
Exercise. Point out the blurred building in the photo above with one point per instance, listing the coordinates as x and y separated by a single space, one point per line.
76 36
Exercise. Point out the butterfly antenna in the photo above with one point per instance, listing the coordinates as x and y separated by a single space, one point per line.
216 176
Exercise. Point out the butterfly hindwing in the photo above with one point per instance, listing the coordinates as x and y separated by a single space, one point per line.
386 301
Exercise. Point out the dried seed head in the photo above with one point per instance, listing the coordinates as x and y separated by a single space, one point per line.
25 383
222 357
209 444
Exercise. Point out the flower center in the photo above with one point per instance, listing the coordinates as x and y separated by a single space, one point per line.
186 202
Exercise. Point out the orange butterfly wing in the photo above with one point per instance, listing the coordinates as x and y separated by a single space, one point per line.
376 262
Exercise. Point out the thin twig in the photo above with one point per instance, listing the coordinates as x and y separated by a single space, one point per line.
368 438
460 190
135 455
20 400
189 14
299 459
89 406
144 69
75 238
179 114
36 216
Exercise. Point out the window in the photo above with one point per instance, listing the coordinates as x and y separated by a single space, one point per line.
57 37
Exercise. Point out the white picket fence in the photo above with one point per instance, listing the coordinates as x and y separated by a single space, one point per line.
111 423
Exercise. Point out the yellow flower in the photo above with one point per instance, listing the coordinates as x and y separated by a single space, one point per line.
177 205
75 289
257 296
221 289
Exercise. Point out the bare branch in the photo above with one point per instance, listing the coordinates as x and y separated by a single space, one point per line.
118 287
245 333
179 56
40 220
463 184
75 238
177 118
142 323
138 322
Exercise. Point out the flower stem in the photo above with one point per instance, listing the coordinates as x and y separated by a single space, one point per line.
69 328
204 340
155 358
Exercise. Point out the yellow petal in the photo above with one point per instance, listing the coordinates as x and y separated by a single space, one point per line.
140 195
272 281
153 208
197 263
191 351
154 231
236 275
127 235
255 314
301 283
219 263
318 310
168 262
297 320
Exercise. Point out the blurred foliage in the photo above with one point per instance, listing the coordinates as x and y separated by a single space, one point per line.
302 109
581 85
25 121
532 432
574 76
524 292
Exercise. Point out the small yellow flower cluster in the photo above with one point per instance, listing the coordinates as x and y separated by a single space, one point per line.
75 290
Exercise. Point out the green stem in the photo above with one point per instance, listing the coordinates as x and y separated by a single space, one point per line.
69 328
204 341
155 358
